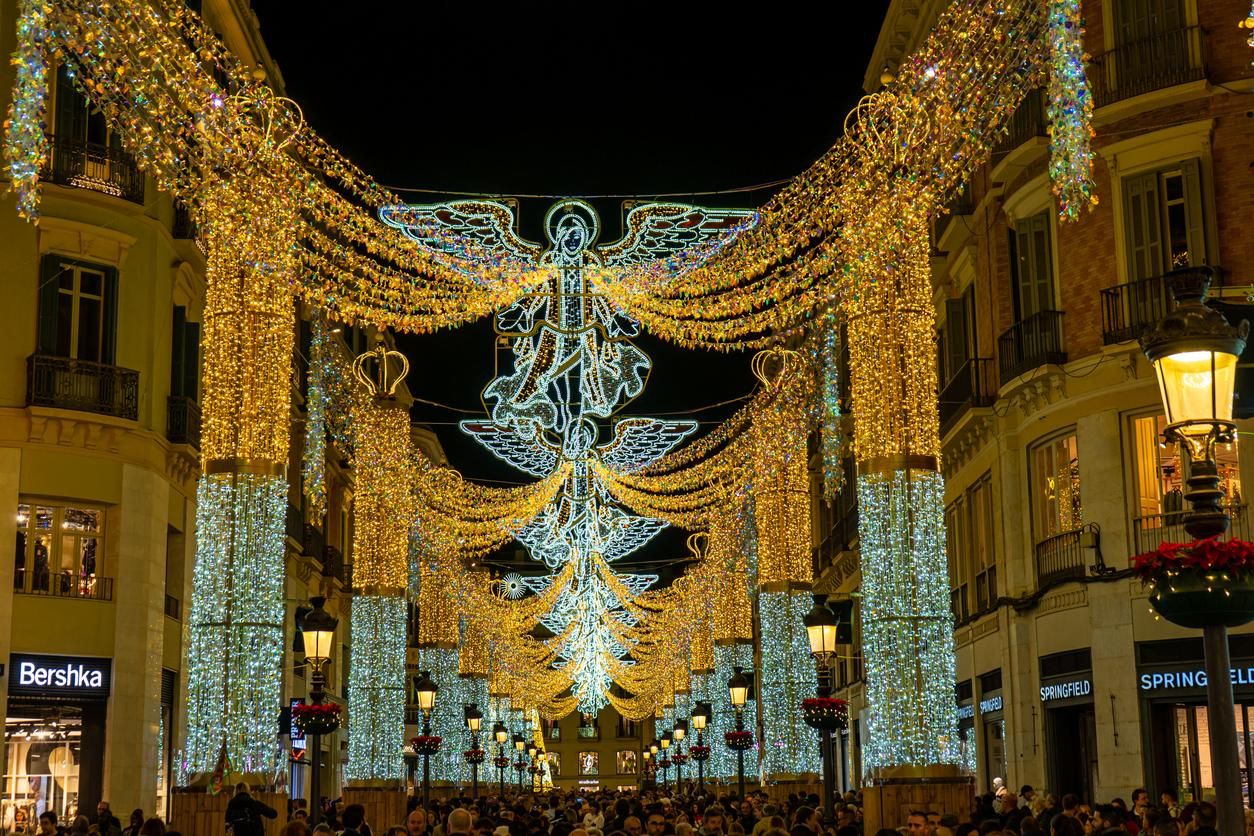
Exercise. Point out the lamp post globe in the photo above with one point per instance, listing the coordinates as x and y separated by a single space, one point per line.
317 629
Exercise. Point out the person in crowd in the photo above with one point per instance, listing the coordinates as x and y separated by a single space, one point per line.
594 817
244 813
1169 800
354 818
80 827
106 821
916 824
632 826
1205 817
712 821
416 822
47 823
152 826
295 827
322 829
137 821
458 822
748 820
657 825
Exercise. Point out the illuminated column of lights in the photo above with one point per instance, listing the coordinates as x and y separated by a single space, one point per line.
447 718
24 129
317 394
235 642
384 510
722 762
787 676
907 627
830 435
376 692
781 480
1069 108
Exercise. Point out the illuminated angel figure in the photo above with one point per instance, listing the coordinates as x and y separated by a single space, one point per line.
574 367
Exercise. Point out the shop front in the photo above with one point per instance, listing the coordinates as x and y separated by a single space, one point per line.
1066 696
54 735
1171 684
992 722
967 758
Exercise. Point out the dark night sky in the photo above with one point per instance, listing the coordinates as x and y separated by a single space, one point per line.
636 98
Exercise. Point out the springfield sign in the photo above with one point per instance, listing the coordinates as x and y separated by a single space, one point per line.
1171 680
76 677
1066 690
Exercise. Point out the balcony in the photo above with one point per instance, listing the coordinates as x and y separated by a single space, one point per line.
973 386
63 585
66 383
1030 343
333 565
1164 59
88 165
1128 309
182 421
313 544
183 227
1150 532
1026 123
294 524
1060 558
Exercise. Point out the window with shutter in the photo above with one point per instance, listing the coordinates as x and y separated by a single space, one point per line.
1032 266
77 310
71 109
1164 220
957 336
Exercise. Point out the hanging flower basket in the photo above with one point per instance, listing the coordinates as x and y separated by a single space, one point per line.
533 770
500 761
679 759
1205 583
322 718
739 741
825 713
664 763
520 766
426 744
699 753
474 756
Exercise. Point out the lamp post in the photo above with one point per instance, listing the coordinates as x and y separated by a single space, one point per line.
474 722
532 753
645 755
700 717
1194 353
501 733
425 690
665 762
821 624
679 732
519 766
738 693
318 631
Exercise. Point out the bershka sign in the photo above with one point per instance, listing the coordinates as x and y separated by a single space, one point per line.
1066 690
69 676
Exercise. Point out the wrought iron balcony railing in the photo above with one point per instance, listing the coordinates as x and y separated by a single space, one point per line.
1030 343
1060 557
66 383
1164 59
1027 122
182 421
974 385
89 165
62 584
1151 531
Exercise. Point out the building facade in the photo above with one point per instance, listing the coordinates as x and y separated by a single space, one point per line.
1051 417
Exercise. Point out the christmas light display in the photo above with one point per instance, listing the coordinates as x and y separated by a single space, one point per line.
831 436
727 657
1069 109
447 720
376 690
321 369
787 676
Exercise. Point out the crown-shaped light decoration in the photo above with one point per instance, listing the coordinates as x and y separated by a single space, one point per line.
887 129
377 371
773 365
277 119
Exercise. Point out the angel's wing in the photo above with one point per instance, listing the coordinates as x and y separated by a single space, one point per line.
638 442
529 452
658 230
486 225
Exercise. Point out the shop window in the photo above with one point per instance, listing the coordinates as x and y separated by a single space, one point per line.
1164 225
552 731
1191 724
555 763
588 727
43 756
589 763
59 551
969 543
77 310
1056 488
625 762
1159 476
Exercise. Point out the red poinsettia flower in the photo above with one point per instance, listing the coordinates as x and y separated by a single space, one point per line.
309 711
827 704
1209 555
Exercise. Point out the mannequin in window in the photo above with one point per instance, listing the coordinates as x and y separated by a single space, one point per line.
19 561
41 566
1173 500
87 576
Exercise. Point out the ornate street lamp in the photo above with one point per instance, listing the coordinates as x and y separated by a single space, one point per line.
679 732
821 624
700 719
317 630
738 692
1194 353
665 761
501 732
424 692
534 768
519 767
474 722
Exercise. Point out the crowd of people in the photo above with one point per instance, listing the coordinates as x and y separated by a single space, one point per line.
686 812
675 812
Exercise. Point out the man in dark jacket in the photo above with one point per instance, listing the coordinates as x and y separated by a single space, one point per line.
243 813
